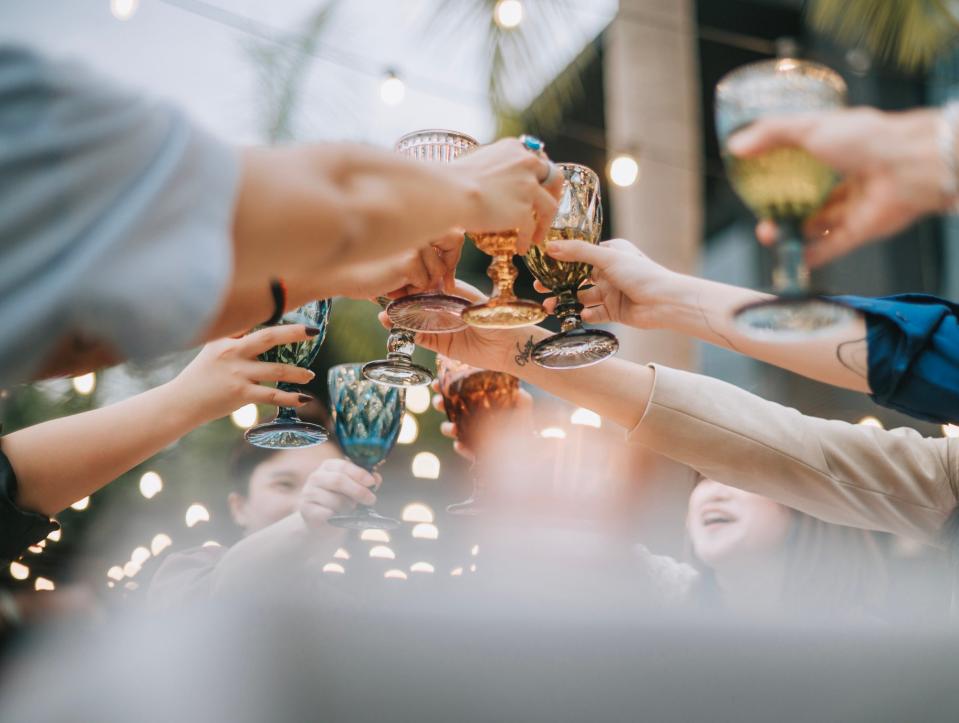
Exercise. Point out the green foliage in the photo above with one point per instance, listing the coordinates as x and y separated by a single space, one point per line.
910 33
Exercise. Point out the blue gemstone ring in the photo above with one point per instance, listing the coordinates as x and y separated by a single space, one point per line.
532 143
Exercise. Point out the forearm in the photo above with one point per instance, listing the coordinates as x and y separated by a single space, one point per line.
272 555
348 204
63 460
704 309
616 389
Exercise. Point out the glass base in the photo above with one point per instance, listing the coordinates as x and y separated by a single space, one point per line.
793 317
434 313
471 507
575 348
397 374
282 434
364 518
504 314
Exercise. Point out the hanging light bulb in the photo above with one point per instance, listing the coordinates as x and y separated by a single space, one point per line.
124 9
211 543
870 421
334 567
586 418
19 571
382 552
623 170
426 465
553 433
85 383
426 531
341 554
417 399
422 567
139 556
42 583
81 505
950 430
375 536
508 14
116 573
395 574
160 542
417 512
392 89
55 535
151 484
456 572
409 430
130 569
246 416
196 513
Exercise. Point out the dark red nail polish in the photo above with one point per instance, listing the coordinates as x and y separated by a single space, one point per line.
305 398
312 330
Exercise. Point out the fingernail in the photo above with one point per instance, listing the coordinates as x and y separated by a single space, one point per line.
304 398
312 330
311 373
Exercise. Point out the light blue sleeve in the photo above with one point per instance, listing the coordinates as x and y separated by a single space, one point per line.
115 216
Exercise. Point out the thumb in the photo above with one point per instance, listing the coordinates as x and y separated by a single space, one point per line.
579 251
766 133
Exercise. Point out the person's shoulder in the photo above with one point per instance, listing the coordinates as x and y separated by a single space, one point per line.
185 575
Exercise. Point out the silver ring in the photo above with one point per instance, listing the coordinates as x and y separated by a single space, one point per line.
549 173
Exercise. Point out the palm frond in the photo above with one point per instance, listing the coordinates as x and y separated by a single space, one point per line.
913 34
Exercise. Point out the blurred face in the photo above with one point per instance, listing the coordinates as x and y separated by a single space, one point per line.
729 526
274 487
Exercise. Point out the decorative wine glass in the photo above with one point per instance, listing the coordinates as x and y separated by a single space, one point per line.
367 417
784 184
504 310
472 398
287 430
431 311
580 217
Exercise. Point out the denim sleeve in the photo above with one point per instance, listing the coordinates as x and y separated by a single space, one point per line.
913 342
115 216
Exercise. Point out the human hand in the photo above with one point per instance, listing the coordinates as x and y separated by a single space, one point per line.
494 349
335 487
521 418
504 179
629 287
892 172
226 374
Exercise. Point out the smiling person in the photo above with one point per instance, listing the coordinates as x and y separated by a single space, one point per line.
280 500
129 232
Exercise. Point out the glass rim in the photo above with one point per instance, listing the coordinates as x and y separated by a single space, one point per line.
824 72
424 131
578 166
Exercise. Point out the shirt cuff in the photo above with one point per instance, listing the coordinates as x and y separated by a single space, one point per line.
19 528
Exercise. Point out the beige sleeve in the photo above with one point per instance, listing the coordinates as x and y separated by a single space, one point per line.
184 577
894 481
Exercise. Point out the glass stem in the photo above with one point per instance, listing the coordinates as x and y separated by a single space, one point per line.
791 275
568 310
362 510
400 346
286 414
503 272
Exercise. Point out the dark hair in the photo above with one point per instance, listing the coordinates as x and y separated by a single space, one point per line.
828 568
245 457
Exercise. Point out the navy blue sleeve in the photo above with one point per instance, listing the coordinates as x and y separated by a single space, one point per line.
18 528
913 342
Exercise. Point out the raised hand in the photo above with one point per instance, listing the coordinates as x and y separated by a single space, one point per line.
337 486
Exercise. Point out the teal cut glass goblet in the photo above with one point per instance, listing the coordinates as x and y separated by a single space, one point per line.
367 417
287 430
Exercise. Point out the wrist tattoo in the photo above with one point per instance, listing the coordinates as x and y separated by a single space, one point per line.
854 355
525 353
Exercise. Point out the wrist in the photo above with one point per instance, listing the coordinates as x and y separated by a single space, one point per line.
673 302
184 407
467 196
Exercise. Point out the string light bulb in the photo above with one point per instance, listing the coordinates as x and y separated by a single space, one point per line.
417 512
81 505
139 556
151 484
382 552
334 567
375 536
395 574
426 531
160 542
870 421
123 10
508 14
55 535
42 583
422 567
341 554
409 430
84 384
417 399
392 89
586 418
116 573
246 416
195 514
426 465
553 433
19 571
950 430
623 170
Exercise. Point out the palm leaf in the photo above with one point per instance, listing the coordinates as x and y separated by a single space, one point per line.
913 34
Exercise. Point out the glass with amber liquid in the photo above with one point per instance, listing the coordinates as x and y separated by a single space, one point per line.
785 185
579 217
474 398
504 310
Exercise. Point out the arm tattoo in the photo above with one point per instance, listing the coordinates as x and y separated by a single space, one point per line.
854 355
525 353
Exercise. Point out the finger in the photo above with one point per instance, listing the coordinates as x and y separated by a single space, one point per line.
596 315
767 232
259 341
268 395
330 500
341 467
771 132
524 236
550 304
343 485
469 292
435 267
589 253
448 429
270 372
438 404
545 205
538 285
555 186
417 274
314 514
590 297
